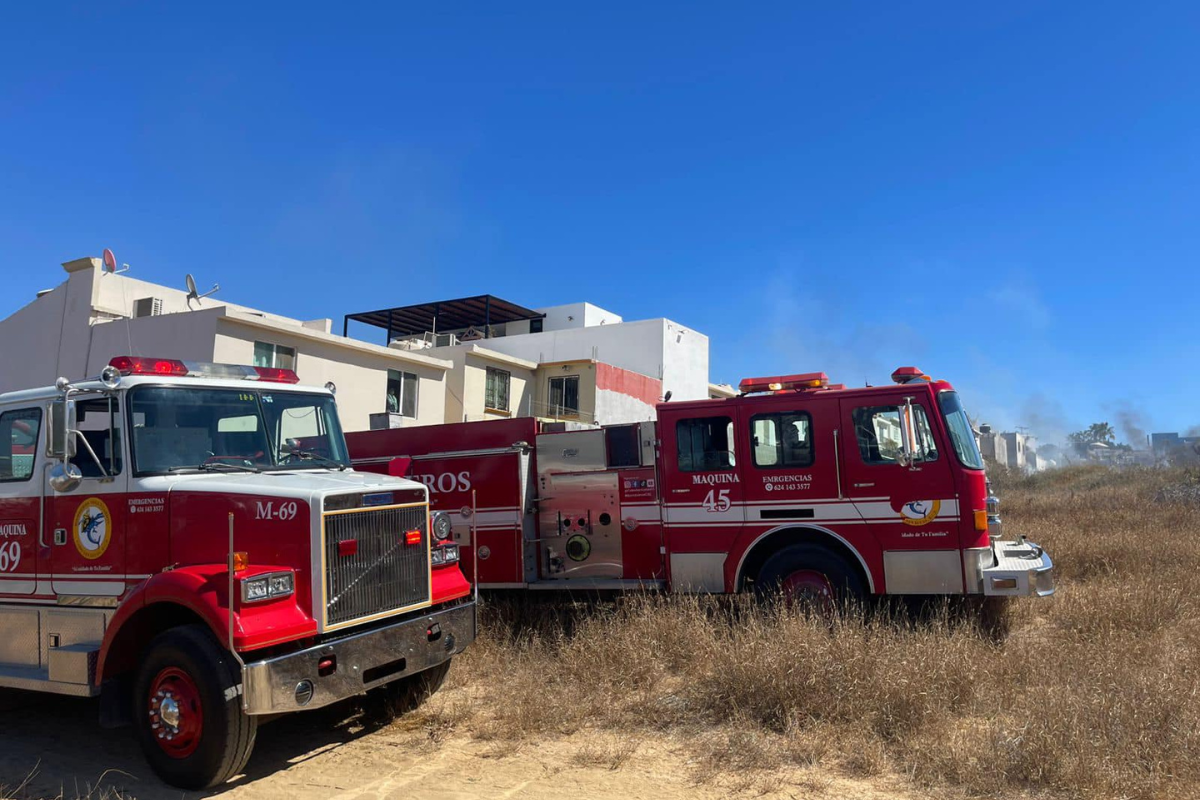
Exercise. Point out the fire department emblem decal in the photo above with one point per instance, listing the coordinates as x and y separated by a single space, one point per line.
920 512
93 528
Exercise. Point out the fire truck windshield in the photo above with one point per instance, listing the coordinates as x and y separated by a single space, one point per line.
965 446
181 428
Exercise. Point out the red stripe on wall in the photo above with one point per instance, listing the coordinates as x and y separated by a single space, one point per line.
634 384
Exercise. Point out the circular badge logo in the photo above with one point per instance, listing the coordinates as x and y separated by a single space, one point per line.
93 528
920 512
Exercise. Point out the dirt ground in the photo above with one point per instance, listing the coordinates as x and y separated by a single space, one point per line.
53 747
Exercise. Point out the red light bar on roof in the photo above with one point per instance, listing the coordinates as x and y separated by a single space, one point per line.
908 375
136 365
783 383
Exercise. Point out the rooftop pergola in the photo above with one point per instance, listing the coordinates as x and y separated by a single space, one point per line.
482 312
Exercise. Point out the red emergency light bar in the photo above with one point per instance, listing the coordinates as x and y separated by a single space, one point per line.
783 383
908 375
172 367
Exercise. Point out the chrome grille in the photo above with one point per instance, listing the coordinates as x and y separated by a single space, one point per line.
384 573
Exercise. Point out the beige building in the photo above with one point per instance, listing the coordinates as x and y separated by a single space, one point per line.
74 329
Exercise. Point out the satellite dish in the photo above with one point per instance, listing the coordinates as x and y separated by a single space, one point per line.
193 294
110 263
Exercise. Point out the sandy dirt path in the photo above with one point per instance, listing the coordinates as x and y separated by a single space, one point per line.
53 747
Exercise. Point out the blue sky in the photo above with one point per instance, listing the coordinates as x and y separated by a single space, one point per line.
1005 196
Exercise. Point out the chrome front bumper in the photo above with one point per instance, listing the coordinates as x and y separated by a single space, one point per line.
1017 569
361 661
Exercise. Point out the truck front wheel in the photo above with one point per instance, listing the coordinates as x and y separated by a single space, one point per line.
810 574
406 694
187 710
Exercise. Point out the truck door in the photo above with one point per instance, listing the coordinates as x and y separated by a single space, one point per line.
910 508
702 494
86 526
20 498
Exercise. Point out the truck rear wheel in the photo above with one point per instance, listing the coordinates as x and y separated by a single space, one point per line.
187 710
809 574
406 694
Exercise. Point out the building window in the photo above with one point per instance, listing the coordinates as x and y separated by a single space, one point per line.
402 393
705 444
535 325
781 440
267 354
495 394
564 395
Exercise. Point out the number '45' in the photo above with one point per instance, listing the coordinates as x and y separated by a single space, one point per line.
716 501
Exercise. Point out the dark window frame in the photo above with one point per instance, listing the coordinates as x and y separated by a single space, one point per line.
487 378
899 408
783 463
731 443
37 437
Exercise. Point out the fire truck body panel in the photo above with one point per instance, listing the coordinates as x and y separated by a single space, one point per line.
888 479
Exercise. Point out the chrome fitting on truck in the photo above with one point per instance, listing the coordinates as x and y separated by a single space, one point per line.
1018 569
352 664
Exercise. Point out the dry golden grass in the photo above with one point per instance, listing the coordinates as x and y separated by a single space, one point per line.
1092 693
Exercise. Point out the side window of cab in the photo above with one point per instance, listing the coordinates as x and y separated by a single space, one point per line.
705 444
19 430
879 433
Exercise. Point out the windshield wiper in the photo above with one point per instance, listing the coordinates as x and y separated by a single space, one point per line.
310 455
225 466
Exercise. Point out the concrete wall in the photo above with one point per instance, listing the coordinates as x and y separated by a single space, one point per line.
466 384
360 375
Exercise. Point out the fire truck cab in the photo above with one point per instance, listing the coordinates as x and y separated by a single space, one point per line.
795 485
188 542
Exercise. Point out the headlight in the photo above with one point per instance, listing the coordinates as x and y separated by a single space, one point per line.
440 522
446 554
267 587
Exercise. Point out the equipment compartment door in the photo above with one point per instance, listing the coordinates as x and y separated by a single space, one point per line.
579 516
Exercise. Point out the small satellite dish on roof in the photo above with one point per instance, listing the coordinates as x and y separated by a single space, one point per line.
192 294
110 263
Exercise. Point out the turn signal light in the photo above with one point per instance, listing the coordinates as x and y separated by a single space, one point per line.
413 536
241 561
981 520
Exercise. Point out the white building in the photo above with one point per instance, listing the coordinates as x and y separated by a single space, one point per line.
74 329
588 363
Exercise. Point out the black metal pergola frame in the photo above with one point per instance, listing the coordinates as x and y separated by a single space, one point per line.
481 310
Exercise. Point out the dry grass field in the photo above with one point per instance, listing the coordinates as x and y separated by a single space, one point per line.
1092 693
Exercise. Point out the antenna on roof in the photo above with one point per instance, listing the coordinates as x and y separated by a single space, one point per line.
192 294
110 263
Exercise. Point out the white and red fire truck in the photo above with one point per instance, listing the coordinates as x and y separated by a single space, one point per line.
795 485
189 542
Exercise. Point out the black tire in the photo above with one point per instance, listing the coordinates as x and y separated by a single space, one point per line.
226 735
844 580
389 701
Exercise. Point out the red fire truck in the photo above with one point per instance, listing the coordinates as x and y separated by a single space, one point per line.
795 485
188 542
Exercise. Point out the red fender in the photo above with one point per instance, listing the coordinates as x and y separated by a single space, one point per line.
202 590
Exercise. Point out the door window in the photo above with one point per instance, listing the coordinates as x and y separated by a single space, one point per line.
99 420
705 444
18 443
781 440
880 434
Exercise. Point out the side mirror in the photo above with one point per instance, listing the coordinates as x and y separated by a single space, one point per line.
65 477
60 443
911 452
